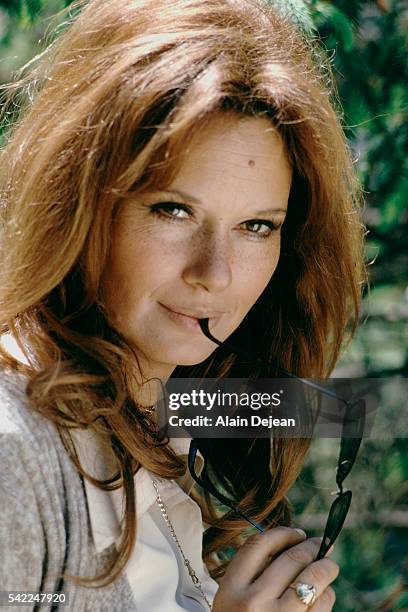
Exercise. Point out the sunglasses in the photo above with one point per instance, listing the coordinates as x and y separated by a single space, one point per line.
351 436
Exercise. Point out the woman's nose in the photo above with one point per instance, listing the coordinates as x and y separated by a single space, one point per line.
209 264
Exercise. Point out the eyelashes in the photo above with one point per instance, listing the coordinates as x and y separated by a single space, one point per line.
164 210
269 225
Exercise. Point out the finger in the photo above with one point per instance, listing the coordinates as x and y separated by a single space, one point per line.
251 556
325 602
319 574
287 566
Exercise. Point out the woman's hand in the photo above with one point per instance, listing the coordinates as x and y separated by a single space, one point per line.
252 583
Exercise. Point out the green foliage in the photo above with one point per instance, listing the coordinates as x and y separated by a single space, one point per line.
369 43
372 550
342 28
298 11
19 7
31 8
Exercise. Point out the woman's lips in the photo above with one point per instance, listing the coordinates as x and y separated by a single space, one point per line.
185 320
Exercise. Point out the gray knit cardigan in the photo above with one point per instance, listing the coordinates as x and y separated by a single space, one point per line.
44 525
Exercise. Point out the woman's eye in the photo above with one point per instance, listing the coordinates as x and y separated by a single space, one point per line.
176 213
263 229
170 211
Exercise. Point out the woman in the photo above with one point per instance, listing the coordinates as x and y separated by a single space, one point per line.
175 160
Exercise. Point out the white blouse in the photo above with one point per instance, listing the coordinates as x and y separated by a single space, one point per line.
155 570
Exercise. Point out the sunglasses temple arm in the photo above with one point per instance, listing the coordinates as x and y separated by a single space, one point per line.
205 329
191 461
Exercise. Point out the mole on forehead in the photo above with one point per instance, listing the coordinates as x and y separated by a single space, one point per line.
231 172
238 157
238 151
222 166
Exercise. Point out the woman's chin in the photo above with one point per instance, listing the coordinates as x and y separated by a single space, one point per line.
182 357
193 362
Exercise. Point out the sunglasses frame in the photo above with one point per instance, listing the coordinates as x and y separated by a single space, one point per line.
352 432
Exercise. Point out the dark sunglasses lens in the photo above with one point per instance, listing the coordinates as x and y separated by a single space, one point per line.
207 485
353 428
205 482
353 425
348 453
335 521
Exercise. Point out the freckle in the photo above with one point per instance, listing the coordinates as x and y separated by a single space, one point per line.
251 163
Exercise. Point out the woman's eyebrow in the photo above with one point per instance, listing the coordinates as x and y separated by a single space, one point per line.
271 211
189 198
182 194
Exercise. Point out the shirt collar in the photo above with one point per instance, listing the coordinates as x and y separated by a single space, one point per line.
106 507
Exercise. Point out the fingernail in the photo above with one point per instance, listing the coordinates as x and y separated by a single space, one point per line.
329 552
303 533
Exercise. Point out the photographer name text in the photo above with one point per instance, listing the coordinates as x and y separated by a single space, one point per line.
231 422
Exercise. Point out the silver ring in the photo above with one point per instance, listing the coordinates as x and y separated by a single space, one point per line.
306 592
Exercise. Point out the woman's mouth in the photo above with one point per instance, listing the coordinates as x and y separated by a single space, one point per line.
188 320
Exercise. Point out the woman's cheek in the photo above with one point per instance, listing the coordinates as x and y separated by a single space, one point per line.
257 271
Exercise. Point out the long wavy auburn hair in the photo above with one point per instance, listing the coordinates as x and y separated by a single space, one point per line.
109 110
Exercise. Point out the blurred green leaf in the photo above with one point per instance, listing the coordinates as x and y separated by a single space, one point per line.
12 6
325 12
33 8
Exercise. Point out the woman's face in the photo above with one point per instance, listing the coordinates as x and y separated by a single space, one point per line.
207 246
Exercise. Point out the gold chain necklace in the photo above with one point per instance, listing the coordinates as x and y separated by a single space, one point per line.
148 409
193 575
